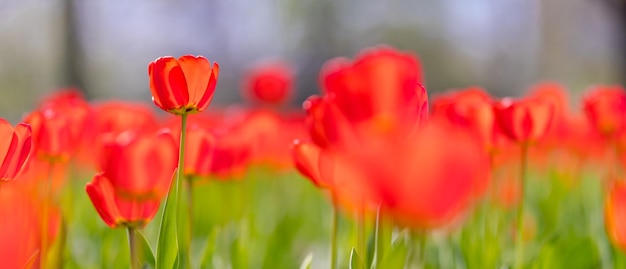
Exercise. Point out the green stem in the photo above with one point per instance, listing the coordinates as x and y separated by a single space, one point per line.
519 240
333 232
134 262
45 215
189 181
378 238
422 250
183 250
360 230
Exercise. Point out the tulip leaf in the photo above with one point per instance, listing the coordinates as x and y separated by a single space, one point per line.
209 249
355 260
146 256
306 263
395 257
167 244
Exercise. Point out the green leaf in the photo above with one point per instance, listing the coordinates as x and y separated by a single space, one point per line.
306 263
355 260
396 256
146 256
167 244
371 249
209 249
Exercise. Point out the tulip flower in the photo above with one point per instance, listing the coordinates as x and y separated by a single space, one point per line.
183 85
525 120
15 149
605 107
269 83
20 221
380 93
615 214
139 166
470 108
136 174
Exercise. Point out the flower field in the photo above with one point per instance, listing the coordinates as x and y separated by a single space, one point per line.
374 171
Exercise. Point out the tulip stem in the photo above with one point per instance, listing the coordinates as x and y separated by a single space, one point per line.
379 238
189 181
134 262
43 254
333 232
360 230
519 240
184 249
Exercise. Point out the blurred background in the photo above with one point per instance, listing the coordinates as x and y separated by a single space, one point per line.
104 46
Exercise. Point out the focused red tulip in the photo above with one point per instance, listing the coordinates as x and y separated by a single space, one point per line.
15 149
183 85
269 84
615 214
137 170
524 120
605 107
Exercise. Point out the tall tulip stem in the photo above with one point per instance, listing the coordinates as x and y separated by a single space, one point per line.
333 232
47 189
519 240
184 249
134 262
360 230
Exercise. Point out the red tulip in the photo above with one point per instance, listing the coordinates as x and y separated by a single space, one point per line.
424 182
615 214
136 173
199 151
605 107
183 85
231 155
20 226
269 83
58 125
470 108
15 149
380 93
525 120
310 160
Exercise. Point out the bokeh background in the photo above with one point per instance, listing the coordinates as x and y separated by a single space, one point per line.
104 46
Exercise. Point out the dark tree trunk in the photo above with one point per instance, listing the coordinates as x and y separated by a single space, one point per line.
71 50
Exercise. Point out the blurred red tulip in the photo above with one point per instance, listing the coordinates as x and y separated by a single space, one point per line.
615 214
469 108
308 159
269 83
136 173
199 151
183 85
524 120
15 149
605 107
20 227
380 93
231 155
425 182
58 125
108 120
